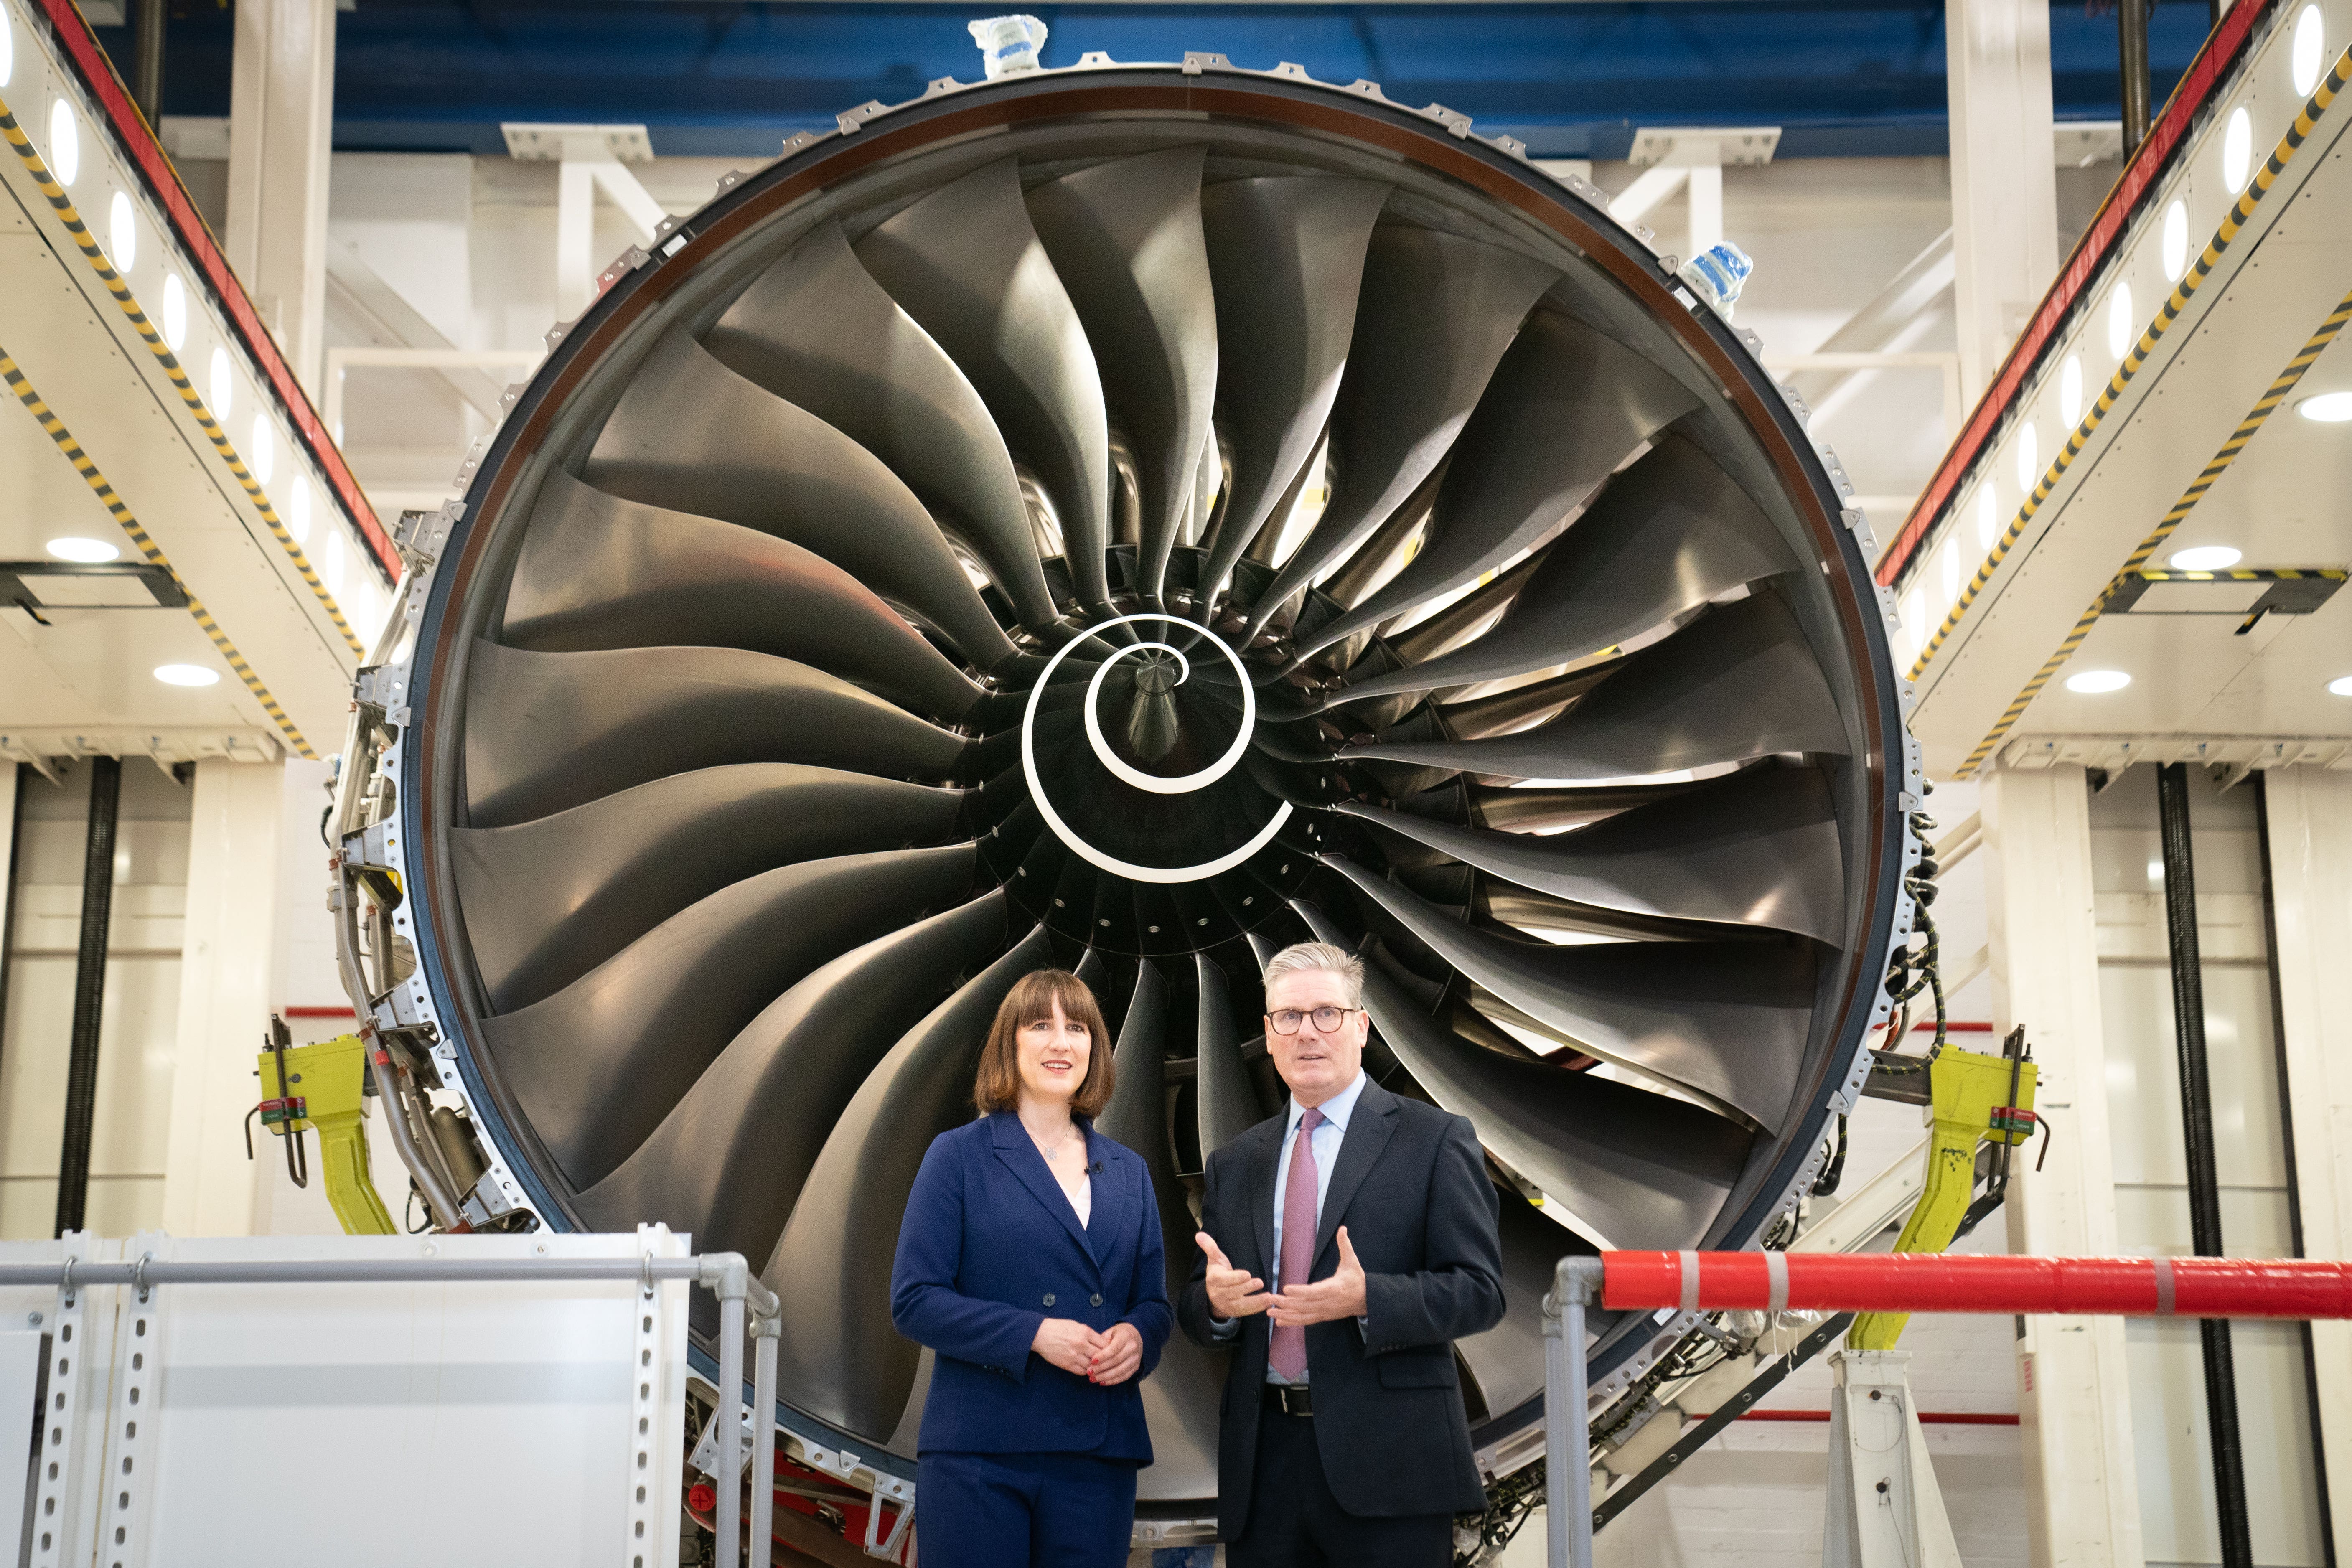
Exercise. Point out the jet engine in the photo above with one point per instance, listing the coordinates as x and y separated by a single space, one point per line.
1130 519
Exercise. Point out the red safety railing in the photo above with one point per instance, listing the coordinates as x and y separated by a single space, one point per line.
1930 1282
1876 1282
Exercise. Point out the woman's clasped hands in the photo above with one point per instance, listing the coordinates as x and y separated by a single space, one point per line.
1107 1358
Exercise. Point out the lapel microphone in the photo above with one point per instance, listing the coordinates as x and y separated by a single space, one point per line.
1094 1169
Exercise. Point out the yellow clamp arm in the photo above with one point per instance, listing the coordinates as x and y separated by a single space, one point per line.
326 1080
1966 1089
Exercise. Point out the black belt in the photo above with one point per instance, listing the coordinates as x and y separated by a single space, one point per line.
1291 1398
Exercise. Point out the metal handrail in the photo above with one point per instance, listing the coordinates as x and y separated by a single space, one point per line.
727 1275
1834 1282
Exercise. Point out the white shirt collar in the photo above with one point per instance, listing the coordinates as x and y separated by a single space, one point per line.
1336 1110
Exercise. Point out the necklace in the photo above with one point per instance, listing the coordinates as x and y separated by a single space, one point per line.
1055 1152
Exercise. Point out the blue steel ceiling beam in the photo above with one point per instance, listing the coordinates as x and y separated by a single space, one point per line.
1570 79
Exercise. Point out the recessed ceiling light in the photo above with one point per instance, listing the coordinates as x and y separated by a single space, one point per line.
2204 558
65 142
90 552
186 675
2091 682
2120 321
2175 241
175 312
2303 62
121 232
2340 686
2237 150
2327 408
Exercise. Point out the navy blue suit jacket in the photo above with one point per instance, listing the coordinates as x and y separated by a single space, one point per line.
991 1248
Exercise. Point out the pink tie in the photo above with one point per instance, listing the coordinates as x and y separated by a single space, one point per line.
1289 1351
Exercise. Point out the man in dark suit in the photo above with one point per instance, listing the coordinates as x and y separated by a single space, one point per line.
1345 1246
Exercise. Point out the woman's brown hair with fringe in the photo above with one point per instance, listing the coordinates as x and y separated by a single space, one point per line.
997 1085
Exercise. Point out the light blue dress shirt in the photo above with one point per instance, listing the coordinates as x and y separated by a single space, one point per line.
1325 1141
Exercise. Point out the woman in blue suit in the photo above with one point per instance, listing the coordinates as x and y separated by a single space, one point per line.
1030 1260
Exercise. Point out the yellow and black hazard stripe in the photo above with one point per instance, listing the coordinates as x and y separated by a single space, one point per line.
2132 568
56 429
91 251
2240 213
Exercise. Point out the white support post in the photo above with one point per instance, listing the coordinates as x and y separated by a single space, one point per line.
2311 888
575 238
2082 1491
227 972
1706 208
1651 188
2004 189
587 163
281 124
1886 1508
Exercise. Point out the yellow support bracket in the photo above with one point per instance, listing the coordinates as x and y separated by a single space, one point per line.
323 1093
1968 1094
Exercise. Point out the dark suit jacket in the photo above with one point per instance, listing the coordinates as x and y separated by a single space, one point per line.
990 1248
1410 1185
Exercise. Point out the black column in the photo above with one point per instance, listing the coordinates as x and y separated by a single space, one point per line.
2204 1180
89 991
2131 28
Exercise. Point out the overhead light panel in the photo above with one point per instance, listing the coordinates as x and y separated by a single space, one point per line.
65 142
88 551
2204 558
2340 686
121 232
2309 50
2237 150
175 312
186 675
2096 682
2327 408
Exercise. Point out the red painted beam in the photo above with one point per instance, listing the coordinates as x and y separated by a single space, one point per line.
130 128
2206 74
1933 1282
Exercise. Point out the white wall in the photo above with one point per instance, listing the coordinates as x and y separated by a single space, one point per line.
141 1001
2176 1509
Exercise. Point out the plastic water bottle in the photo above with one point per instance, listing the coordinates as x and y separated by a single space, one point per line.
1008 44
1716 275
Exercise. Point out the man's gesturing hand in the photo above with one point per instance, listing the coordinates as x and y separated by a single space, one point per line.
1340 1295
1069 1344
1233 1292
1121 1355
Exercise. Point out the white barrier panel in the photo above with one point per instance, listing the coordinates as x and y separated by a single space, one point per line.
372 1423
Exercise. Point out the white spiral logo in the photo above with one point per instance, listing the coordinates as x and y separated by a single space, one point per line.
1120 769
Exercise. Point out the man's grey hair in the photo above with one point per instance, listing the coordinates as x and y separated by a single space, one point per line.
1320 955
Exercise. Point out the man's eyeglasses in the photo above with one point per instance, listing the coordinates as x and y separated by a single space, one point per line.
1326 1019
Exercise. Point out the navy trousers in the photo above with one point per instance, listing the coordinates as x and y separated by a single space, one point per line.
1296 1523
1023 1511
